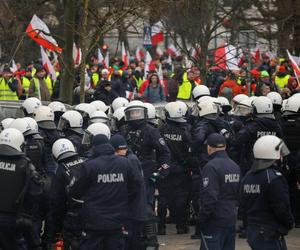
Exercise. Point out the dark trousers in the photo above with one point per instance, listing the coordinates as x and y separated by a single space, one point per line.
258 239
104 240
217 238
10 239
133 238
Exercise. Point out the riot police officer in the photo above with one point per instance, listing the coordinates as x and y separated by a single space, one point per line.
218 196
106 181
70 124
276 99
265 196
58 108
263 123
86 110
174 189
65 209
20 186
146 142
118 121
30 105
290 123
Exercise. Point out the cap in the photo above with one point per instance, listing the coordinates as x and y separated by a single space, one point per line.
118 142
264 73
100 139
216 140
104 71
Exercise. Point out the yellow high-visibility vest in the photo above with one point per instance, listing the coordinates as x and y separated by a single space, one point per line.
49 84
25 84
281 82
37 86
185 89
6 93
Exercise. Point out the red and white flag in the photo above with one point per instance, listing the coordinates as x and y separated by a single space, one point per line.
100 56
77 55
294 65
148 60
139 54
47 64
159 52
157 33
13 67
226 58
255 53
106 59
38 31
173 51
124 56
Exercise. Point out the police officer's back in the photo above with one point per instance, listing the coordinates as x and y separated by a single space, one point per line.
265 196
19 185
218 196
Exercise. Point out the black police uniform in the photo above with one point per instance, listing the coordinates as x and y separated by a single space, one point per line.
20 189
66 210
107 184
76 139
266 208
218 200
174 189
241 147
291 134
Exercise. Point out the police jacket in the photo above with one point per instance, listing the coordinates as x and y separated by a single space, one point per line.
107 184
291 131
19 187
178 139
64 207
76 139
148 145
265 200
219 191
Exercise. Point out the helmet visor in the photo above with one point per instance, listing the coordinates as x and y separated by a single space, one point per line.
87 138
99 120
62 124
135 113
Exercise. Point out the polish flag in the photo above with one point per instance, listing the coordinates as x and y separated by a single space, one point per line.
157 33
148 60
124 56
139 54
77 55
106 59
226 58
13 67
100 57
295 65
255 53
38 31
159 52
173 51
47 64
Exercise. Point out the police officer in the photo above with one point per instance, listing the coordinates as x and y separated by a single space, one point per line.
265 196
19 185
99 116
146 142
106 181
276 99
86 110
290 122
137 213
30 105
65 209
70 123
263 123
118 123
218 196
174 189
58 108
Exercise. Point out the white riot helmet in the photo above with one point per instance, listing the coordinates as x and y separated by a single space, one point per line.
240 97
275 98
13 138
263 107
93 130
244 108
6 122
62 149
266 150
32 124
150 110
99 116
119 114
253 97
291 106
135 111
71 120
225 105
175 112
86 109
118 103
208 109
100 106
200 90
22 125
57 107
184 107
44 116
30 105
203 98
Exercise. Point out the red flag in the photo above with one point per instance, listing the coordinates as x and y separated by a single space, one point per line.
157 33
124 56
294 65
47 64
40 33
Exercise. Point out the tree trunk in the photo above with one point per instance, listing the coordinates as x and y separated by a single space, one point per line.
67 80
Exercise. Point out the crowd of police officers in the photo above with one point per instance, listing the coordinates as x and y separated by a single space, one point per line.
89 176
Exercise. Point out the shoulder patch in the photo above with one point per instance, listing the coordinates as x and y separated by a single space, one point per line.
205 181
162 141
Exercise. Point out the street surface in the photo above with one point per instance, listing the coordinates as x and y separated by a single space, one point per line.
172 241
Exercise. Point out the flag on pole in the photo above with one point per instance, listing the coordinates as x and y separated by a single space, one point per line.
47 64
106 59
139 54
13 67
124 56
226 58
173 51
294 65
77 55
255 53
159 52
38 31
157 34
100 56
148 60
